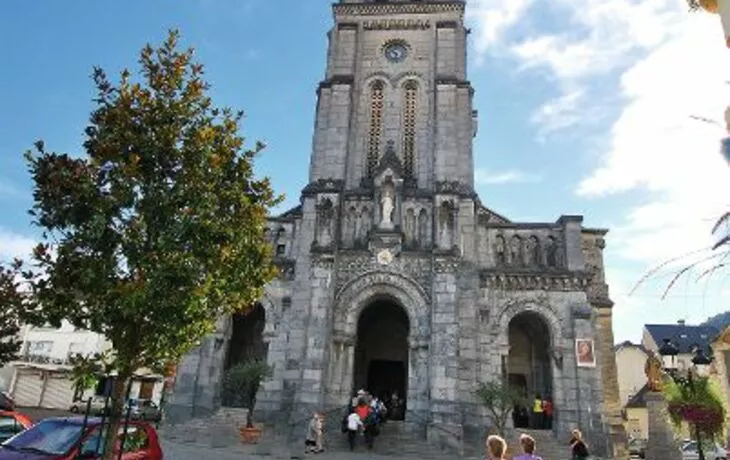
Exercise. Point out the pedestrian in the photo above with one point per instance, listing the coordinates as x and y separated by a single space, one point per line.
527 443
354 425
578 447
537 412
367 418
547 413
313 441
496 448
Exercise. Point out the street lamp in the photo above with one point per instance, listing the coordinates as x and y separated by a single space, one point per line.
700 370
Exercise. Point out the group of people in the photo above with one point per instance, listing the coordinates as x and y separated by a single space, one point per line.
366 414
540 416
497 448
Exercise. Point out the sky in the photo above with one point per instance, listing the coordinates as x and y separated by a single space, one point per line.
585 108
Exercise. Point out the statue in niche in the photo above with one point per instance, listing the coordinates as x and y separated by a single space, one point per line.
387 205
499 250
363 225
551 252
446 225
532 252
325 218
410 225
350 230
423 229
515 248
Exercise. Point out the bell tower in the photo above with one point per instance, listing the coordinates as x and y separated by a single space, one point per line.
395 82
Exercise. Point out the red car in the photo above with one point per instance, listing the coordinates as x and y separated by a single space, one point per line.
68 439
12 423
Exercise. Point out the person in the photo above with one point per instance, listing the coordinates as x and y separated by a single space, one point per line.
354 425
496 448
537 412
313 443
365 413
578 447
547 413
527 443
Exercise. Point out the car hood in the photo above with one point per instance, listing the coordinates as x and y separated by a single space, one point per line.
7 454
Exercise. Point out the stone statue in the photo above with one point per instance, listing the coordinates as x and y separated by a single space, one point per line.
654 374
516 250
551 252
387 206
499 250
532 252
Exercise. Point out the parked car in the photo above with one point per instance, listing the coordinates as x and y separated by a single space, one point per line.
712 451
637 448
12 423
68 438
98 403
144 409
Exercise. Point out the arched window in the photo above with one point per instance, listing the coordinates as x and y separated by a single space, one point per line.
409 125
376 125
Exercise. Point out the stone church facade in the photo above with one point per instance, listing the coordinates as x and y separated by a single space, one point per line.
395 276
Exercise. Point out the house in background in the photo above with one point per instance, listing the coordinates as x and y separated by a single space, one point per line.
630 360
683 336
41 377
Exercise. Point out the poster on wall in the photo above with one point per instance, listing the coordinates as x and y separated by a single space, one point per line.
585 353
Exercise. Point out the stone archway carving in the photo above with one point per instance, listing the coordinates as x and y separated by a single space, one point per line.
540 307
360 291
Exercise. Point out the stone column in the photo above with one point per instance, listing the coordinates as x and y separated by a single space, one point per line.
661 443
446 419
417 398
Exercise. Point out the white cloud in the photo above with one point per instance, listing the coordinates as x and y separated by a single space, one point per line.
494 18
559 113
485 177
13 245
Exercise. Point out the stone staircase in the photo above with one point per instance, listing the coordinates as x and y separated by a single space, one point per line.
547 445
395 439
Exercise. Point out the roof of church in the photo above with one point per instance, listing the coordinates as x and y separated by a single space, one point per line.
683 336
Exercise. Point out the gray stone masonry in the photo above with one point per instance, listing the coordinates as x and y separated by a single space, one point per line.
661 443
390 217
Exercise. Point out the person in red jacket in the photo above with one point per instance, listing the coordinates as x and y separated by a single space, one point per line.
547 413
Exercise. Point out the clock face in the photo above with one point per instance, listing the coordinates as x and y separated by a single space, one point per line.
396 52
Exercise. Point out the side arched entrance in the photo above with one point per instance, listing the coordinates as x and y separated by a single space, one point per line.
380 340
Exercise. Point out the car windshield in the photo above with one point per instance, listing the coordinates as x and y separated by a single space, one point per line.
55 437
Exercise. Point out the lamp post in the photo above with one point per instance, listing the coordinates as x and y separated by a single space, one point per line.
700 370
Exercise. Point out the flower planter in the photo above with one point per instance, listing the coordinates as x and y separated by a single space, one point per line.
250 435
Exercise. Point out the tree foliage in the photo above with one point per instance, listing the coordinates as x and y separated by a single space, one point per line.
11 307
157 231
499 398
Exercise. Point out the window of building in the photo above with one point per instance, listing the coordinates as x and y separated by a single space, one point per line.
280 250
409 125
376 125
40 348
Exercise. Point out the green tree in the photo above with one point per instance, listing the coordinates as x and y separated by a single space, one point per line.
11 307
241 384
158 231
499 399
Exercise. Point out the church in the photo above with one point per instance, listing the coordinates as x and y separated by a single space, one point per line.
395 277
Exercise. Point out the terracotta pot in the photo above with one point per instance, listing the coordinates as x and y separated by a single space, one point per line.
250 435
709 5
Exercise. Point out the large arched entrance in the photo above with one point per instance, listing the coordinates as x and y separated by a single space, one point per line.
529 365
381 353
247 337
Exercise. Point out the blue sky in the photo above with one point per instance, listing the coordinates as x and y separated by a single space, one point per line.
584 109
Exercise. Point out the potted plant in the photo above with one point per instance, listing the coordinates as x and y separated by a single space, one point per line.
240 385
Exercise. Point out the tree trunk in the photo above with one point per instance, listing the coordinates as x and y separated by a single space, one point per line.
116 417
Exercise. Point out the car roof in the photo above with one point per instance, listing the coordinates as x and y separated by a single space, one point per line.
90 421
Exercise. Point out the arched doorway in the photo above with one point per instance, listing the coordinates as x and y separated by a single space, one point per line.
381 353
529 365
247 337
